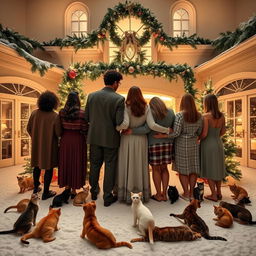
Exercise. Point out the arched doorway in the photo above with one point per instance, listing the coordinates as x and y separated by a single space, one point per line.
238 100
17 100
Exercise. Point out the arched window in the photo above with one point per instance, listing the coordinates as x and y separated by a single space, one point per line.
76 19
183 19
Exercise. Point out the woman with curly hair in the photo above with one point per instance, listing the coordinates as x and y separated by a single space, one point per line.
72 157
44 129
133 174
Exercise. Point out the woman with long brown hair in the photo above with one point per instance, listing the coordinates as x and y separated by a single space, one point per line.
72 155
133 174
212 151
187 128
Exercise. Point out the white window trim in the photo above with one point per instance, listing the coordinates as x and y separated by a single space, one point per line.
186 5
76 6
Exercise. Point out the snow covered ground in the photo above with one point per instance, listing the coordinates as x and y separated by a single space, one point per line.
118 219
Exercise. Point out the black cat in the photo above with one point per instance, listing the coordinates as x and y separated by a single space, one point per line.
61 198
198 192
173 194
24 222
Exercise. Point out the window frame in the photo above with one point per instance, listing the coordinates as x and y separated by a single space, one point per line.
190 9
72 8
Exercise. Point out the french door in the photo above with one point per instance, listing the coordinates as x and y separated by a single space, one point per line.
241 116
252 131
15 144
236 119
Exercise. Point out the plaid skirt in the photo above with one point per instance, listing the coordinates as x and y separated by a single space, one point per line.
160 153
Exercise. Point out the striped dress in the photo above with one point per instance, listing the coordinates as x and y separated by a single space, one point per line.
72 153
187 158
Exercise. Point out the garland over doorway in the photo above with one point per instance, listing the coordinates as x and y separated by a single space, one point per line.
72 79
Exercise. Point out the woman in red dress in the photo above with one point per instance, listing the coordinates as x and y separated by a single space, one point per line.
72 154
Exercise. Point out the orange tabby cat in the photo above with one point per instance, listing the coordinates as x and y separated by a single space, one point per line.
225 218
25 183
239 193
80 198
21 206
45 227
98 235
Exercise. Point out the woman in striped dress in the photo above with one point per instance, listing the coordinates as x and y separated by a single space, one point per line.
187 128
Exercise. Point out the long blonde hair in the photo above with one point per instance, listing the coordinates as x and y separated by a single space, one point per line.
158 108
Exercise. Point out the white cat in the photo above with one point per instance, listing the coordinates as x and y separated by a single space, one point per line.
142 216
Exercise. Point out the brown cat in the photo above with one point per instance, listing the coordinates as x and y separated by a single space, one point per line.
80 198
170 234
239 213
24 223
240 194
98 235
25 183
45 227
21 206
225 218
194 221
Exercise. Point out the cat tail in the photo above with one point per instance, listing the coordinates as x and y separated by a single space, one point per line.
151 226
25 237
208 237
119 244
10 207
8 232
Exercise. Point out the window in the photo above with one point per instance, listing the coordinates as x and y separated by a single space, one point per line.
76 19
238 86
79 23
130 24
183 19
181 23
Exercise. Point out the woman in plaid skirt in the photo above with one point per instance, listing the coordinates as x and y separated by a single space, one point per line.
187 127
160 150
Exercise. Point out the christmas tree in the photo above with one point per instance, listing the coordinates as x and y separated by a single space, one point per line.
230 148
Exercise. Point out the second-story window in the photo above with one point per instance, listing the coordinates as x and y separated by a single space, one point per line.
79 23
181 23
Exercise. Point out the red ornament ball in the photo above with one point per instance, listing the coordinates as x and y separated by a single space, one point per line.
155 35
161 38
72 74
131 69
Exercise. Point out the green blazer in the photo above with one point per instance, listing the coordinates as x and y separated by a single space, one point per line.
104 111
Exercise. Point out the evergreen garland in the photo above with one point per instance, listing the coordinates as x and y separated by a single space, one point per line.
24 47
230 39
121 11
230 148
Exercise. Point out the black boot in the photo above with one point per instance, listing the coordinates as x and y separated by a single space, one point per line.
36 177
47 181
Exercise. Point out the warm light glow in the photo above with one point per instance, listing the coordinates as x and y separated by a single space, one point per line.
169 101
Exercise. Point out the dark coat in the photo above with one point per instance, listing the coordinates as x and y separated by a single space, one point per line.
44 129
104 111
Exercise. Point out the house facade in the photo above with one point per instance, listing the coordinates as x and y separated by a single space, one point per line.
233 72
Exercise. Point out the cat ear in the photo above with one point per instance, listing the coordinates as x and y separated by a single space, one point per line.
50 208
140 194
132 193
215 207
59 211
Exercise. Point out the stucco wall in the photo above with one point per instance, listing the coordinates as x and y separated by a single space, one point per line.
13 14
44 19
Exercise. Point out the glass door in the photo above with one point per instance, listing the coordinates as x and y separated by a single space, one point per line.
23 138
252 132
236 120
7 132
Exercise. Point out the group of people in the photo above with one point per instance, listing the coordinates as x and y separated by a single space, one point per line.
126 135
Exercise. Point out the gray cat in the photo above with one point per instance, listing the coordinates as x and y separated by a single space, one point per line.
26 219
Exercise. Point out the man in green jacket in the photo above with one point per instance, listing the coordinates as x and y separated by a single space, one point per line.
104 111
